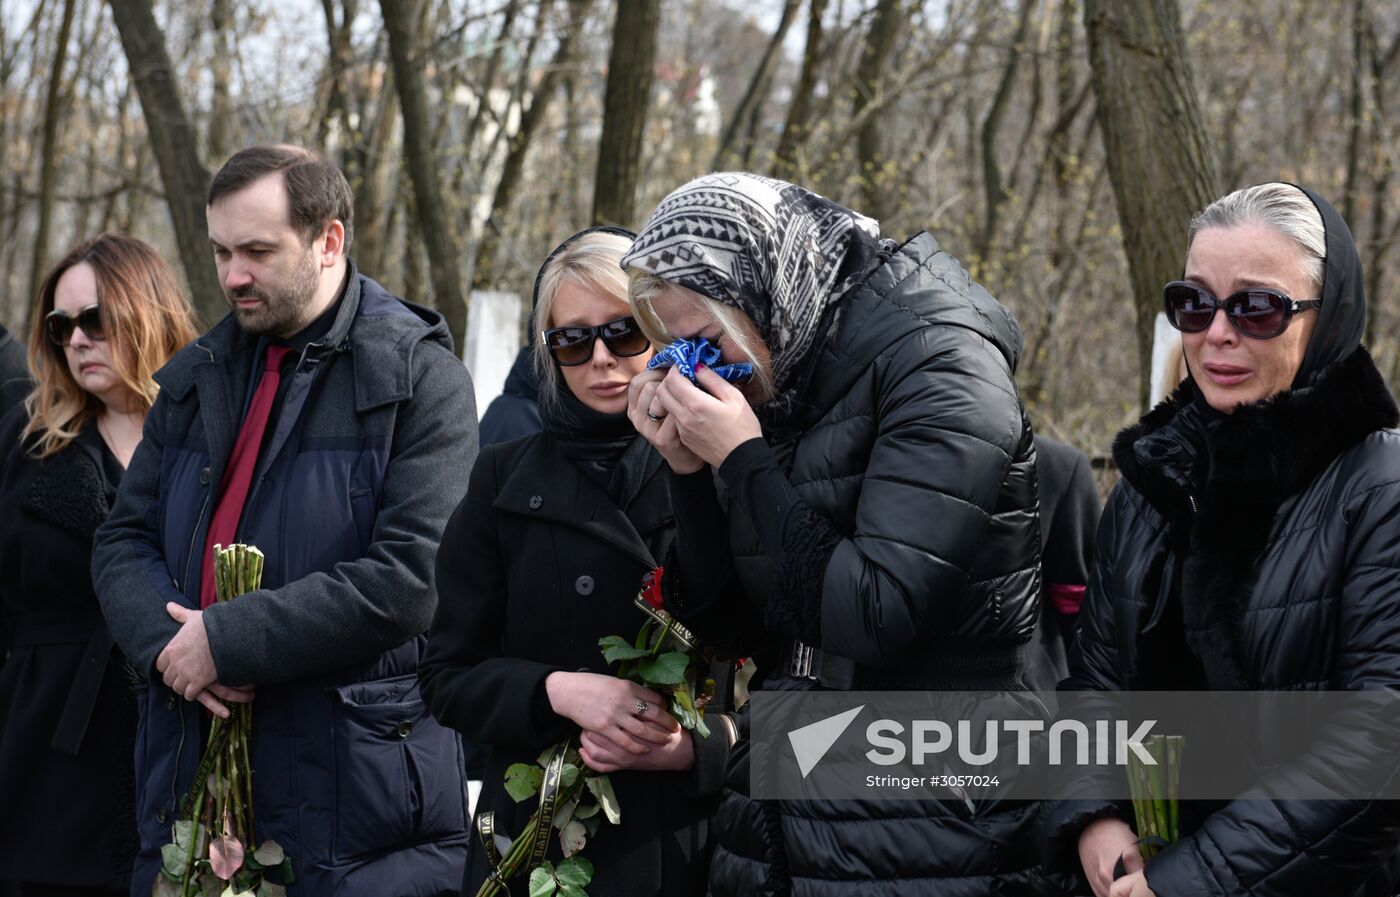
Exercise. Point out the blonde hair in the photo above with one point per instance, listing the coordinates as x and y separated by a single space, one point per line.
146 319
1283 207
592 261
643 290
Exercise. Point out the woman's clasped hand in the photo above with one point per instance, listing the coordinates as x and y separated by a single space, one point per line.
691 424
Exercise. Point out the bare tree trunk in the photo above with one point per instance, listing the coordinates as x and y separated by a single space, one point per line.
484 270
625 100
172 139
413 279
756 91
1154 145
1380 65
221 69
337 104
795 128
400 21
991 132
48 158
1356 106
372 232
869 82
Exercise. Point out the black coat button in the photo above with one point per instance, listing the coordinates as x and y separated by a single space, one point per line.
170 703
405 728
584 585
204 477
535 502
162 815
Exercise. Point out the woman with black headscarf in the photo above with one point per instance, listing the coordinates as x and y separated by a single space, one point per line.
880 518
1253 544
543 558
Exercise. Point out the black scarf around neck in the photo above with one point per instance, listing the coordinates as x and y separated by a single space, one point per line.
604 446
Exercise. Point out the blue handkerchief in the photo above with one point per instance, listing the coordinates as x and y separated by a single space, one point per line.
687 354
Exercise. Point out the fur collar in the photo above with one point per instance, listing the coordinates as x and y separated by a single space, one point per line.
1219 480
68 489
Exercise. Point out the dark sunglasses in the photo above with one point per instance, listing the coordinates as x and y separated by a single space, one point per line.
1259 312
60 324
574 345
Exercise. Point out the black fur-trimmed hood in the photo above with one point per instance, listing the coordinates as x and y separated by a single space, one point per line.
1219 480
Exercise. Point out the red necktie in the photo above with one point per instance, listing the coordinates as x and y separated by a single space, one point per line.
238 476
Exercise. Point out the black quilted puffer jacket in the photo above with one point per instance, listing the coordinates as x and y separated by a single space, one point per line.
1260 551
1281 520
908 558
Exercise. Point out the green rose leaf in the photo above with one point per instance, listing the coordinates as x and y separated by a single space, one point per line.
667 669
271 889
681 712
523 780
270 854
574 872
542 881
172 860
686 713
585 811
571 891
593 823
568 775
616 648
565 813
607 798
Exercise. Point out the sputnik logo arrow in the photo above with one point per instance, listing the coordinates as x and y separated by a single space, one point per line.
811 742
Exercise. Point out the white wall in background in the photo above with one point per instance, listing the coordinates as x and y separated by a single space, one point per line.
493 338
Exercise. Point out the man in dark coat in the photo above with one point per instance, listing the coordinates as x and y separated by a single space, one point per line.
516 411
14 370
1069 514
340 457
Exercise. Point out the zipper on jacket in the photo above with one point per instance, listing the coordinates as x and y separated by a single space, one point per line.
203 507
1192 499
194 534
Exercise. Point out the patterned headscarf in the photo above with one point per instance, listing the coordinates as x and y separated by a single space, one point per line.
781 254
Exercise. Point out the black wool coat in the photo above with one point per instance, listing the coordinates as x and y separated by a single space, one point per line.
536 565
1287 553
67 699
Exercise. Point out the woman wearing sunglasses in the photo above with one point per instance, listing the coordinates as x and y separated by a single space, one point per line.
1252 544
543 558
107 316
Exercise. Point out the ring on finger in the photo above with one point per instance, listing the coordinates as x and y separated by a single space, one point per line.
655 418
639 706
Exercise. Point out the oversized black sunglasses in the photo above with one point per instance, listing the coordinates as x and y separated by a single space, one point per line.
574 345
1259 312
60 324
